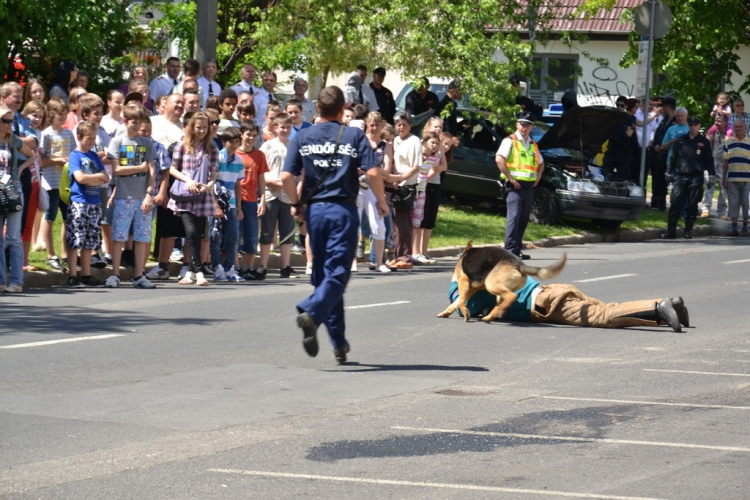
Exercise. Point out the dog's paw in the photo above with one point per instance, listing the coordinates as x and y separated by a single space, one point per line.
487 319
444 314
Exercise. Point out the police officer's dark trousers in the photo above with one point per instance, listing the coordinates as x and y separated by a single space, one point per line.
519 203
658 166
332 229
685 191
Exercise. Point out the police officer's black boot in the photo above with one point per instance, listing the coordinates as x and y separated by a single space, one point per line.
671 227
689 222
682 312
667 313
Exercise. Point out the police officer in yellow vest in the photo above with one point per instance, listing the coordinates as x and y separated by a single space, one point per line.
522 165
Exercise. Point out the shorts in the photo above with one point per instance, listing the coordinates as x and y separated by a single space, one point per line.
431 204
83 226
276 211
128 211
55 204
169 223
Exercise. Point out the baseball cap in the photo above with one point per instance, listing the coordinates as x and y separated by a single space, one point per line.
526 117
694 120
133 96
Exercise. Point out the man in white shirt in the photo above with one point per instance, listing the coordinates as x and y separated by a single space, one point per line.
162 85
247 84
166 129
191 71
308 107
263 97
209 86
369 95
654 115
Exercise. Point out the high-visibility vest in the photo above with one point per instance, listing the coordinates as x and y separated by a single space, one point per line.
523 163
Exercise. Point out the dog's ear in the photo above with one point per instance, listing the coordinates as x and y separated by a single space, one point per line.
468 245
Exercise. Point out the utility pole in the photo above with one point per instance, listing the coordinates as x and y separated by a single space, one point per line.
206 19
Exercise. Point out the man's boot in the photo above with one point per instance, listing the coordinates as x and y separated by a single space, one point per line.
689 222
682 312
666 312
671 227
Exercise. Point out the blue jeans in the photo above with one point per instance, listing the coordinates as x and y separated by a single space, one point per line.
250 227
228 239
11 241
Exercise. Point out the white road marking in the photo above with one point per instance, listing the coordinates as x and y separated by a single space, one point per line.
379 305
60 341
698 373
424 484
605 278
576 439
736 261
655 403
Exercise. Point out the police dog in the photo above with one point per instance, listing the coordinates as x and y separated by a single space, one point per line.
499 272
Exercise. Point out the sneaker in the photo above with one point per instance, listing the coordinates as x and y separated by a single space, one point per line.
219 274
261 272
423 259
233 277
308 269
340 353
288 272
112 282
143 282
183 272
157 273
91 282
704 214
176 256
207 268
361 250
13 289
253 275
97 262
524 256
297 248
309 333
74 282
383 269
55 263
108 259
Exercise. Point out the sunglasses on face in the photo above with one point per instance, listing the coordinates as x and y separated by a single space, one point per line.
621 106
6 121
215 122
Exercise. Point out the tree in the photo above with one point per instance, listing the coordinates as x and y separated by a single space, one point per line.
694 67
92 33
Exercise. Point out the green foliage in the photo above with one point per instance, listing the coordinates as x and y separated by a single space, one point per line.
693 67
178 23
89 32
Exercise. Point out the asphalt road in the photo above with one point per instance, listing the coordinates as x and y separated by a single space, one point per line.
207 393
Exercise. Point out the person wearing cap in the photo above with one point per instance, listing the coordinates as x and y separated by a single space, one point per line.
449 103
383 95
525 103
522 165
689 156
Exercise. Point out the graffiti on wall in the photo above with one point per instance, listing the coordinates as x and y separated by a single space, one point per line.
602 87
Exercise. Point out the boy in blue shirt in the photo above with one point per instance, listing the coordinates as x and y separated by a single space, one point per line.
83 221
231 172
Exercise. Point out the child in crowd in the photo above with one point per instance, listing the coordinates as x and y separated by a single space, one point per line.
212 103
74 108
227 105
214 124
162 163
92 111
87 174
722 106
278 205
246 112
348 113
252 206
430 159
294 109
269 132
113 118
230 175
56 145
133 197
160 104
358 117
36 112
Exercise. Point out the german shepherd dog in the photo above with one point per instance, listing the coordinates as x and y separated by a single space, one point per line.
499 272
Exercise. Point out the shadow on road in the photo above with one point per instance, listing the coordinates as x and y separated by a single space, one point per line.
366 367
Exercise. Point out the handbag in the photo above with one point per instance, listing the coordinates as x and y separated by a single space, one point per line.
43 201
403 197
179 190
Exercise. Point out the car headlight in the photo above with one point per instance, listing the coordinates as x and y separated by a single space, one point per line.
574 186
636 191
590 187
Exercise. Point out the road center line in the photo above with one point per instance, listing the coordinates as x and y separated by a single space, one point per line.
697 373
655 403
736 261
379 305
576 439
603 278
60 341
424 484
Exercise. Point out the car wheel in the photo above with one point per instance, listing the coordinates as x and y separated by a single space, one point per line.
607 224
545 209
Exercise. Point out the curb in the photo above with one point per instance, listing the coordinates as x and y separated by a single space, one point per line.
38 279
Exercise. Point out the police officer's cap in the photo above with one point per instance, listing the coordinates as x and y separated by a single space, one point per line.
526 117
694 120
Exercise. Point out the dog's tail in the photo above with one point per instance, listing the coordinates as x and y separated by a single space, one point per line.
548 272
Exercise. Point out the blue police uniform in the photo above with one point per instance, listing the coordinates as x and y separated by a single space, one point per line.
331 215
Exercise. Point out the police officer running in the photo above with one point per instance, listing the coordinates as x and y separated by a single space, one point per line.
691 155
330 193
522 165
